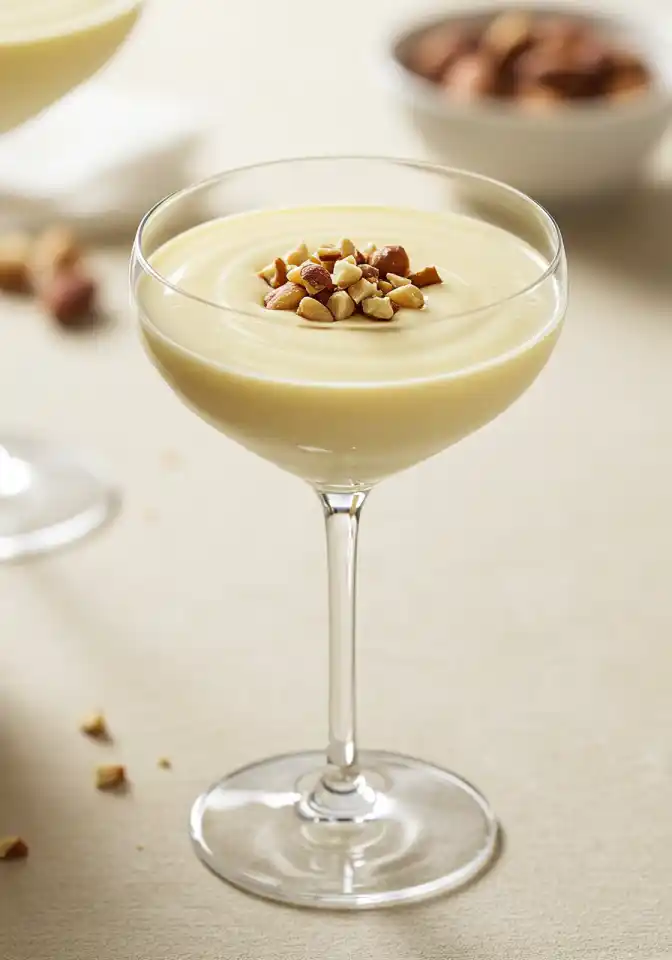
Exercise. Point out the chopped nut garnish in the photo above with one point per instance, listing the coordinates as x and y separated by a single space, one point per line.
379 308
110 776
69 294
425 277
328 252
369 272
13 848
384 286
390 259
347 248
368 250
279 274
286 297
298 256
267 272
362 289
341 305
346 273
315 278
311 309
408 296
14 263
165 763
95 726
397 281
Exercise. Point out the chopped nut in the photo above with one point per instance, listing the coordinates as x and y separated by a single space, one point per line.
437 48
315 278
164 763
15 263
397 281
95 726
347 248
379 308
70 296
311 309
346 273
294 275
13 848
384 286
110 777
341 305
390 259
55 249
472 75
286 297
362 289
298 256
267 272
369 272
509 33
368 250
408 296
425 277
279 274
328 252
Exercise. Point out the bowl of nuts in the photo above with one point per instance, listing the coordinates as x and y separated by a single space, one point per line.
555 103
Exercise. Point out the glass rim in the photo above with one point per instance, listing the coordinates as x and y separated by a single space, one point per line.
139 259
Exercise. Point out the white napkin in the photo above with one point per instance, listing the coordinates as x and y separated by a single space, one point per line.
98 159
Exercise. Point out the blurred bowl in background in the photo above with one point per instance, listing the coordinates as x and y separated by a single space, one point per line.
579 148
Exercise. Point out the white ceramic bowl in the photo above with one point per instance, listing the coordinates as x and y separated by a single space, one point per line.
577 151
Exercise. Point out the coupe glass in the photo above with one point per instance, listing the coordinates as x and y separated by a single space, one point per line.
344 828
50 497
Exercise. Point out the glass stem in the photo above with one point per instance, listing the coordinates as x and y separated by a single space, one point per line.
342 513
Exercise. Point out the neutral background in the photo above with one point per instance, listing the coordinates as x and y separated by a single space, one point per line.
516 607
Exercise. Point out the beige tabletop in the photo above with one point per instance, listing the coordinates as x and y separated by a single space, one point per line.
516 599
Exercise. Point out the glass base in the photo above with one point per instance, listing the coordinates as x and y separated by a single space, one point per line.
412 831
48 498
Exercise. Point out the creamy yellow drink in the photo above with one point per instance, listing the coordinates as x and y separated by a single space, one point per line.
47 47
347 403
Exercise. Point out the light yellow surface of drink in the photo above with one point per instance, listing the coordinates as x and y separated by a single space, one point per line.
47 47
348 403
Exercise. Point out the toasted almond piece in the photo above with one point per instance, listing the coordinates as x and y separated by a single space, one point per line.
379 308
15 263
13 848
95 726
315 277
286 297
425 277
370 273
384 286
408 296
390 259
362 289
347 248
298 255
396 280
341 305
164 763
311 309
346 273
110 776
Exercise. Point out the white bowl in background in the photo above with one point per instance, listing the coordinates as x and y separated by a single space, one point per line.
579 150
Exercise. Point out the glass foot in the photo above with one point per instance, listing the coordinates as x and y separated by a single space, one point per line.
48 498
417 831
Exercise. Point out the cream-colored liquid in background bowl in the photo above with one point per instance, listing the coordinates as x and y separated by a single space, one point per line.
47 47
348 403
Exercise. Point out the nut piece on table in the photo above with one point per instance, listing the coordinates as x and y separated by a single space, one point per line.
407 296
425 277
315 278
13 848
379 308
70 296
397 281
311 309
341 305
346 273
55 249
362 289
15 263
95 726
286 297
298 256
390 259
111 776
